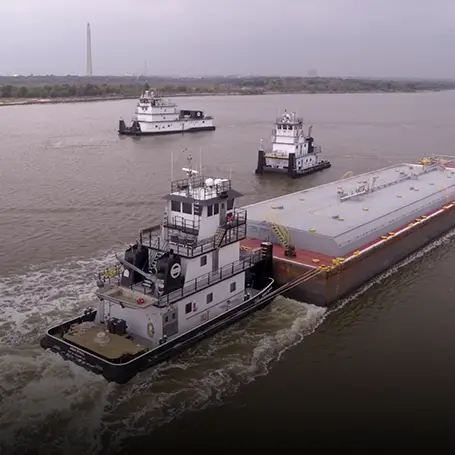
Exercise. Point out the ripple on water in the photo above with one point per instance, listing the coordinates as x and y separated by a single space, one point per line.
47 403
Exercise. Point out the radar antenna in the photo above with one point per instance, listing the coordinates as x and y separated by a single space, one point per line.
189 169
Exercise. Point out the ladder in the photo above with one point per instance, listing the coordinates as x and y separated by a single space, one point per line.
155 255
282 234
153 259
219 236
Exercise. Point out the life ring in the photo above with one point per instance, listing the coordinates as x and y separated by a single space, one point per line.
140 300
150 330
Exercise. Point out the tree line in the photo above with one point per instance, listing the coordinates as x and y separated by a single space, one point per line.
55 87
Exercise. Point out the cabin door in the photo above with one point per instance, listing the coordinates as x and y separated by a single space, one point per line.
215 260
222 213
170 322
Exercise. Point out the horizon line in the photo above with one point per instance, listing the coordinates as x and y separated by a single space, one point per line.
207 76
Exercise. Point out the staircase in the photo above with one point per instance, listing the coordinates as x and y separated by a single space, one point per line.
153 259
155 255
219 236
281 233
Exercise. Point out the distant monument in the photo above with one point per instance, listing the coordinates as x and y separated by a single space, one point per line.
89 51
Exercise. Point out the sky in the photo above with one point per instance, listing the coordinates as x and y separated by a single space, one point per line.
346 38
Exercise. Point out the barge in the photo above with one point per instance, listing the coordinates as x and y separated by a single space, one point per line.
344 233
155 115
180 282
293 152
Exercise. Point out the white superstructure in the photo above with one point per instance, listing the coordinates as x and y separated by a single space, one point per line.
156 115
181 281
292 151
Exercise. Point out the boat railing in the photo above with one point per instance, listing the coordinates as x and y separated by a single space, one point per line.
236 217
196 182
291 121
187 245
294 137
210 279
153 235
111 275
189 248
179 223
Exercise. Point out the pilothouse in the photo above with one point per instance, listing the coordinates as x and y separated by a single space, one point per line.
181 281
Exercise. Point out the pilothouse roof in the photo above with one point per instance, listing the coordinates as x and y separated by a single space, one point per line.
204 190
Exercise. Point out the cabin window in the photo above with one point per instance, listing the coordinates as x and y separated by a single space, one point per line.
203 261
173 315
187 208
188 308
230 204
209 210
210 297
166 319
216 209
175 206
232 287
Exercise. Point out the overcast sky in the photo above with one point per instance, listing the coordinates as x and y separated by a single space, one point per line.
204 37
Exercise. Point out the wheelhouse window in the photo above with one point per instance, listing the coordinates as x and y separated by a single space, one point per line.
232 286
187 208
203 261
230 204
209 210
188 308
216 209
175 206
210 297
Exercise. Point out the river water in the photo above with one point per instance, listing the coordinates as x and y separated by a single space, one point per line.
378 370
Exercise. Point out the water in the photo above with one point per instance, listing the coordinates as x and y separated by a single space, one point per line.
74 193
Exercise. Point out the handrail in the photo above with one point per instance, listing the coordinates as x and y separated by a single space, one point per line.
236 224
211 278
183 224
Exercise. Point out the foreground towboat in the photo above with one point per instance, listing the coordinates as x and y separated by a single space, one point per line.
155 115
180 282
292 152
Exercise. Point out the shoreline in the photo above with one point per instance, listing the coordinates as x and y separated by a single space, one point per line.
34 101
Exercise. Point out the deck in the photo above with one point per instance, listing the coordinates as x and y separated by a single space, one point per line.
342 216
314 259
304 257
84 336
